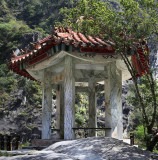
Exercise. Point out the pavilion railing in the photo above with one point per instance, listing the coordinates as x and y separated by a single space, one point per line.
84 132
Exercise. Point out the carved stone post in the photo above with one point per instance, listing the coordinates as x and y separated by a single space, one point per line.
46 105
113 102
92 107
69 99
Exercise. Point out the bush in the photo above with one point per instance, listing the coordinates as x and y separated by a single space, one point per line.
140 137
80 121
25 145
139 133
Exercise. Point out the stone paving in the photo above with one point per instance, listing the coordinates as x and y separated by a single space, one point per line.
94 148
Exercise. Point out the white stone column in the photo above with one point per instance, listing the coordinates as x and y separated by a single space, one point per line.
119 105
46 105
58 109
61 111
92 107
113 102
69 99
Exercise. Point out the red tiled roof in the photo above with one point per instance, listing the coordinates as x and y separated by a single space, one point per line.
59 36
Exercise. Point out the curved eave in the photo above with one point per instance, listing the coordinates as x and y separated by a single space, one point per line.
22 72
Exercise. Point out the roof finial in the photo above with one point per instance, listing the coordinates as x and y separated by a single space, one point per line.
22 51
13 54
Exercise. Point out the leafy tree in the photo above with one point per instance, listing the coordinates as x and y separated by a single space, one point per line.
133 99
127 24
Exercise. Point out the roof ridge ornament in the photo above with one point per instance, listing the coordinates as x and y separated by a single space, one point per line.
13 55
22 51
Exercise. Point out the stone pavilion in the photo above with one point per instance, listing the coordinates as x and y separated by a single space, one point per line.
70 62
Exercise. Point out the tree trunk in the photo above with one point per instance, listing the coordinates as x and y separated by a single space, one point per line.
150 144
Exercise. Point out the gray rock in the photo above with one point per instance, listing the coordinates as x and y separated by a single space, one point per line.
45 155
94 148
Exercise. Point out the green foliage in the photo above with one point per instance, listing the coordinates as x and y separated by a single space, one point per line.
41 14
79 119
139 133
93 17
7 83
146 94
23 114
34 93
26 144
142 133
14 24
10 34
81 110
6 154
141 136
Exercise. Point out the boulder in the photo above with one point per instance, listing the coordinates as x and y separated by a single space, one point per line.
93 148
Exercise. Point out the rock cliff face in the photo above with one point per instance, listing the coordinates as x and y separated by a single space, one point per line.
125 106
19 116
154 58
21 112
